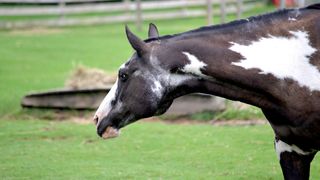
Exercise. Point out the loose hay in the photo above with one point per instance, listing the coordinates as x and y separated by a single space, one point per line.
84 77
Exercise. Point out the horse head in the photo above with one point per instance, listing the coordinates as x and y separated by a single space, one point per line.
146 86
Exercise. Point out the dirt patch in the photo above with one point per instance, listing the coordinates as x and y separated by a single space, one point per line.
212 122
45 138
239 122
183 121
175 121
82 120
55 138
48 129
36 31
86 117
89 141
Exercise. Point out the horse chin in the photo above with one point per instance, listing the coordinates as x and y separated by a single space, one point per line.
111 132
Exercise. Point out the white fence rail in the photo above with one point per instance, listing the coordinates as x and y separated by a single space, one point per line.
126 11
48 1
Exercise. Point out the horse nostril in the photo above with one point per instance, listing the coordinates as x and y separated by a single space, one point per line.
95 119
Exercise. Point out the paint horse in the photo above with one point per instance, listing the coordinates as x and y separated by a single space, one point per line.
270 61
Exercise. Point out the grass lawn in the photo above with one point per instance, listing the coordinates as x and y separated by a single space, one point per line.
65 150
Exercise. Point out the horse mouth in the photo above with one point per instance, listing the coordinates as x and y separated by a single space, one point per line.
110 132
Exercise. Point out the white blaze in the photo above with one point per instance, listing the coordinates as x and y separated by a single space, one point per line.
195 65
282 57
105 106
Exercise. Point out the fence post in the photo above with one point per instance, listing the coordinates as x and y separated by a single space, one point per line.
209 12
62 5
282 4
183 6
127 4
301 3
239 8
223 10
139 15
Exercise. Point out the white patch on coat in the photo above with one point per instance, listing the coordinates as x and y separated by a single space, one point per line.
177 79
284 147
195 65
292 19
162 77
105 106
282 57
157 88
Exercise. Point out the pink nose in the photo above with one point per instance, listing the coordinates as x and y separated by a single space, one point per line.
95 119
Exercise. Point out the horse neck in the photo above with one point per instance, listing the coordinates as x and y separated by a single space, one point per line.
221 77
212 46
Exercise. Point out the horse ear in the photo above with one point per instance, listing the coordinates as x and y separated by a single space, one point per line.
153 31
136 43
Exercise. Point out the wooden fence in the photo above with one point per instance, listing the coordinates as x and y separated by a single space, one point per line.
66 13
300 3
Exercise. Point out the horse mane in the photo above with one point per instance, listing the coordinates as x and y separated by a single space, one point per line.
225 25
314 6
233 23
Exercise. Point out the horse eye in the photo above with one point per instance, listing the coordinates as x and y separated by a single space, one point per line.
123 77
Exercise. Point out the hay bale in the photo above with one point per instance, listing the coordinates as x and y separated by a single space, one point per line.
84 77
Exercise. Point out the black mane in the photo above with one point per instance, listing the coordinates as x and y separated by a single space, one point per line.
233 23
241 21
228 25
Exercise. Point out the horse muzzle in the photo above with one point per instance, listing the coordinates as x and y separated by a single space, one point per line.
106 130
110 132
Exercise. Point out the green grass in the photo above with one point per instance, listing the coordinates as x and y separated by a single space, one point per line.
230 113
35 61
63 150
246 113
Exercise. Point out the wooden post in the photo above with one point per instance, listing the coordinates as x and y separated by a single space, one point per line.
209 12
239 8
62 5
127 4
282 4
301 3
139 15
223 11
183 6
